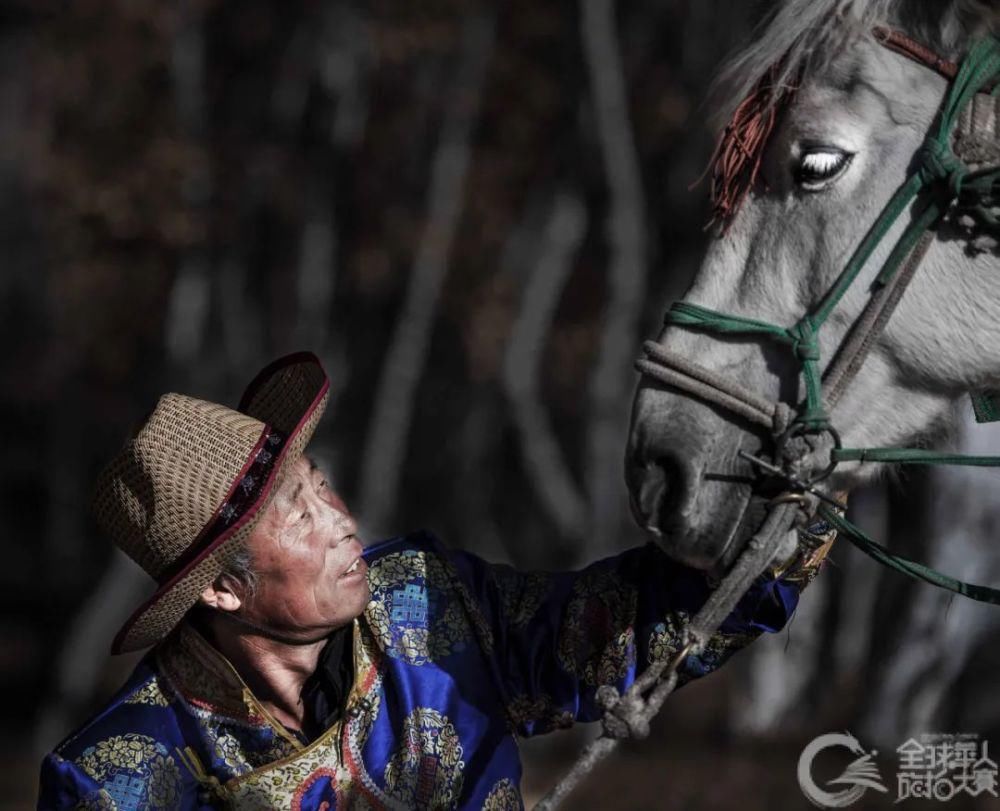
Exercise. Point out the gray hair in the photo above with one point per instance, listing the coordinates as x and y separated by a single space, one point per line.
238 567
800 36
239 570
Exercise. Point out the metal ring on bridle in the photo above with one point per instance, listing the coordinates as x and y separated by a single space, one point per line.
798 429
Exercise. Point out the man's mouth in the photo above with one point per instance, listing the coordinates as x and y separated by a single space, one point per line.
352 568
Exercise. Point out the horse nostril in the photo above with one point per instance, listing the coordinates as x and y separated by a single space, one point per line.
675 486
655 496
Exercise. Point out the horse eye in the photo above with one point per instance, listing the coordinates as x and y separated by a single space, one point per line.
820 166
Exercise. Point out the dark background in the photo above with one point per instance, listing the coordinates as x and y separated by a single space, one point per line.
472 212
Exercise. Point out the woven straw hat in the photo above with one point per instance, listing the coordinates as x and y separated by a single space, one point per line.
194 480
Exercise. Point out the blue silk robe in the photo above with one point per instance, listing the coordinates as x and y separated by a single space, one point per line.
453 657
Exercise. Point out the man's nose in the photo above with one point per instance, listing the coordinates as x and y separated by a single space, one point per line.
341 519
350 525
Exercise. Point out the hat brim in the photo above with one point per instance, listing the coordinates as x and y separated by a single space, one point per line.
290 396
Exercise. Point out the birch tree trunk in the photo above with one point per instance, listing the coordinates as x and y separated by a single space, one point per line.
612 381
385 447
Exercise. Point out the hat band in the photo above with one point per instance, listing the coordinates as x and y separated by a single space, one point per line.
244 493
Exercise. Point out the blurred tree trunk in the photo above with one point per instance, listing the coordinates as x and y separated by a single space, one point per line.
611 384
385 450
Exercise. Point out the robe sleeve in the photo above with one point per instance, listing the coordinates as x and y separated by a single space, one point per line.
557 637
63 784
66 784
127 757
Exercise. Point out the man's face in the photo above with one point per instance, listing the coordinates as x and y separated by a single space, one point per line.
310 575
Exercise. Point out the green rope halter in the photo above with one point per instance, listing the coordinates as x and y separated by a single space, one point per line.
939 179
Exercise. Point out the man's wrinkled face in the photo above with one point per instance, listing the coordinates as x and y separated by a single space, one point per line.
307 557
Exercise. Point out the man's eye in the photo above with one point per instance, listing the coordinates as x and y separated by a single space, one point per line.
819 167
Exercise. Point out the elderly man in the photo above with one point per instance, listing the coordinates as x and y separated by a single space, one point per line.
293 668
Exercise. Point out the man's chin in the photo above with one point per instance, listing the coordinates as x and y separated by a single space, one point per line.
357 599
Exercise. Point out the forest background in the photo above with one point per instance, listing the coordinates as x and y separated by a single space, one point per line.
473 212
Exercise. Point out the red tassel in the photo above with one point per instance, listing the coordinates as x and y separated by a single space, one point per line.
736 162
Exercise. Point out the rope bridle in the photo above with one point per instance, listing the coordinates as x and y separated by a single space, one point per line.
941 183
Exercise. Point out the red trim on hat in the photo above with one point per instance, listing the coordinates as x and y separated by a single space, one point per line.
254 508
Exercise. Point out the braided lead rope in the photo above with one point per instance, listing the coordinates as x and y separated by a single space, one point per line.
628 715
676 370
870 326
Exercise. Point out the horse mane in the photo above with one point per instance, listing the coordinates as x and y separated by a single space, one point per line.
798 39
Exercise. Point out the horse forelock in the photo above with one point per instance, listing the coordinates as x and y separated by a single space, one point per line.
798 40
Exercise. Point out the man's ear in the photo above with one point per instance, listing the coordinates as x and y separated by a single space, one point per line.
220 594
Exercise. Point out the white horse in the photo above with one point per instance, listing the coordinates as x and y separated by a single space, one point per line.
840 149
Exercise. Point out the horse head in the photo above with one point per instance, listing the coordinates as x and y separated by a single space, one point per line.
849 121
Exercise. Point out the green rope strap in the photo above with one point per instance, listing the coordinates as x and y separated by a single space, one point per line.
911 456
910 568
802 338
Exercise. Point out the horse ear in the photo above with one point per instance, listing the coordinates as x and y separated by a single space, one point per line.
986 405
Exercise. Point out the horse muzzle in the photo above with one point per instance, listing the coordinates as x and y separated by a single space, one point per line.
688 487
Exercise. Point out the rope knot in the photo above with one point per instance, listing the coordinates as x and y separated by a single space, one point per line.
624 715
939 162
814 422
805 341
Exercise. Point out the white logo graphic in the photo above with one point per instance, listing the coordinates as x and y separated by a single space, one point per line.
862 773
